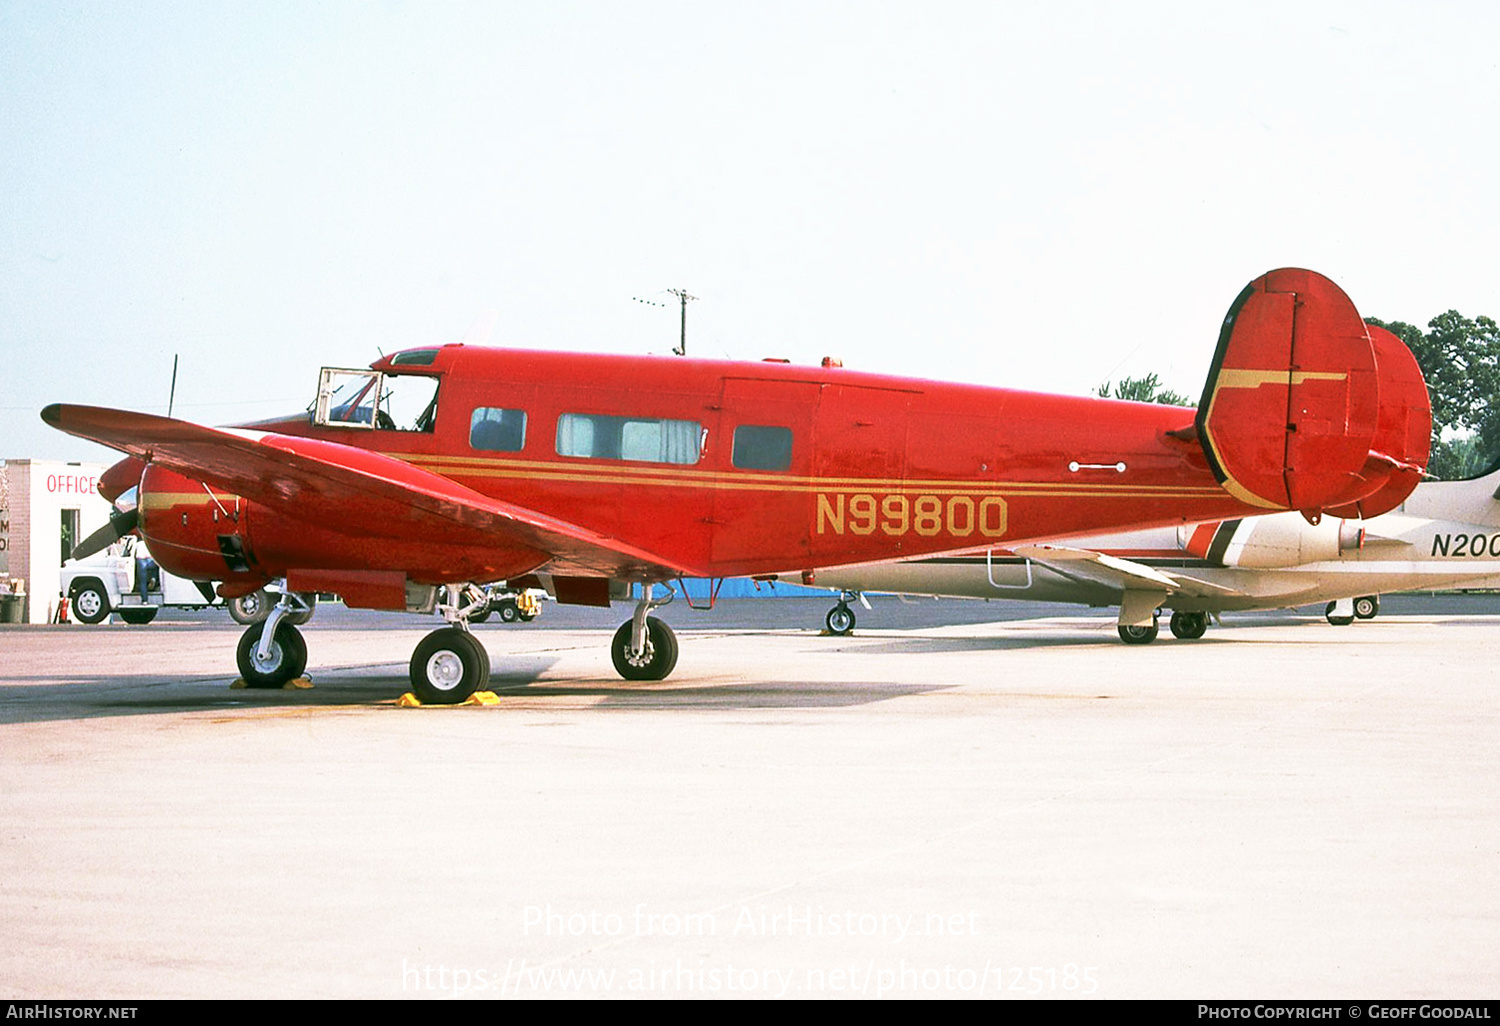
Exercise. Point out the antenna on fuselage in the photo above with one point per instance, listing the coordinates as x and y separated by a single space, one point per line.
172 392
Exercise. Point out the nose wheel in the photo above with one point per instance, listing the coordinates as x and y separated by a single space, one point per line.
840 619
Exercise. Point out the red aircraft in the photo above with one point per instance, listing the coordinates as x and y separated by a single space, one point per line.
585 473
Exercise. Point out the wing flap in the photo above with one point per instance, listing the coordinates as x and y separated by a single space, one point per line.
1120 574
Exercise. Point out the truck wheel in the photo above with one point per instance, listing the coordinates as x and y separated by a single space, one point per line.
139 617
1366 606
251 608
90 602
508 611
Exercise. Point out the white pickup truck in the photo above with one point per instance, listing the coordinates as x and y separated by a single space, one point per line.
108 582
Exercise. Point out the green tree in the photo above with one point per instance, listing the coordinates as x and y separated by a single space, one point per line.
1460 358
1144 390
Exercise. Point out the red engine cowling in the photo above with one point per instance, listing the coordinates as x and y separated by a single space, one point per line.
197 532
207 534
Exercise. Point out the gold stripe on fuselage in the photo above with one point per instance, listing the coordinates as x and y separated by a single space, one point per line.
471 467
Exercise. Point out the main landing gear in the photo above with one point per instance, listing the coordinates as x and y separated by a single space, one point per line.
1189 626
449 664
272 652
644 648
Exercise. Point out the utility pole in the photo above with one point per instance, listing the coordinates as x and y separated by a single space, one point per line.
684 298
681 294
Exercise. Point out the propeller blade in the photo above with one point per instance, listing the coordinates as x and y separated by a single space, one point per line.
120 524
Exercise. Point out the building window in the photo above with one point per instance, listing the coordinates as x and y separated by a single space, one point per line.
70 537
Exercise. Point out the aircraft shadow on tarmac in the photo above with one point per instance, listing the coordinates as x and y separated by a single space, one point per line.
67 699
820 694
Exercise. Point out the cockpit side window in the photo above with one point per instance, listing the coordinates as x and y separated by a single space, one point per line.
370 399
409 402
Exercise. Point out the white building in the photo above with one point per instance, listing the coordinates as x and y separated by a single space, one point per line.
46 508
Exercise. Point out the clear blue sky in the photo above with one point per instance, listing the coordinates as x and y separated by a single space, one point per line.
1037 195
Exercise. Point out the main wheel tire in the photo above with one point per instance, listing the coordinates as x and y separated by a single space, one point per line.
139 617
509 612
251 608
90 602
1189 625
840 619
656 662
1139 635
1337 621
286 660
448 666
1366 606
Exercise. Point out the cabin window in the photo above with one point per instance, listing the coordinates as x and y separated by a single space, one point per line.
629 438
757 447
492 429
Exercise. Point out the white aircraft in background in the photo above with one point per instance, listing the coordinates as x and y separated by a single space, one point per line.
1445 535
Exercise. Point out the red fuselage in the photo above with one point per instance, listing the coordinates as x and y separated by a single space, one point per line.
729 469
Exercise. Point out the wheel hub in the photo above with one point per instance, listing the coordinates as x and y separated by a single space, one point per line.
445 670
271 663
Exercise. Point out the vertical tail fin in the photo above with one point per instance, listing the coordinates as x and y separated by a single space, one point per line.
1303 410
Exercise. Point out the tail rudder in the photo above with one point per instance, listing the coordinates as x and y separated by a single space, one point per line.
1298 410
1403 435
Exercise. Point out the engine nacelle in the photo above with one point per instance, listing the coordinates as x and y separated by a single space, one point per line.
1289 540
194 531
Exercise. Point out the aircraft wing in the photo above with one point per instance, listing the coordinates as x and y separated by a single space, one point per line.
356 491
1119 574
